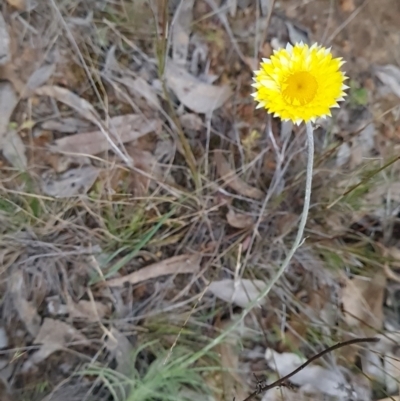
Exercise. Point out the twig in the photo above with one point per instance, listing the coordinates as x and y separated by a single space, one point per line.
265 387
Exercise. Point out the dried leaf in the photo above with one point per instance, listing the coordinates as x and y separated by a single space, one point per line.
123 129
147 162
181 31
3 338
8 101
54 335
347 5
239 292
296 34
26 310
191 121
391 367
362 299
84 22
40 76
71 183
86 310
239 220
372 365
286 394
121 349
232 383
175 265
14 150
5 55
265 6
327 381
362 145
20 5
194 94
68 125
82 106
390 76
232 4
140 88
232 180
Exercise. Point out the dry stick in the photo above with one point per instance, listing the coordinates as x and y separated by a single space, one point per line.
296 245
265 387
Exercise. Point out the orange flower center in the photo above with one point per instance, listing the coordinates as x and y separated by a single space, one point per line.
299 88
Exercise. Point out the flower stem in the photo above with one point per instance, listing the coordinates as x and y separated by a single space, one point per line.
296 245
307 197
303 220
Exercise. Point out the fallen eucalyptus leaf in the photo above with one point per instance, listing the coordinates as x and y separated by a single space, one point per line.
193 93
14 150
71 183
123 129
239 292
175 265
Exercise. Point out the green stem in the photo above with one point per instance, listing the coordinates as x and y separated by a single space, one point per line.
296 245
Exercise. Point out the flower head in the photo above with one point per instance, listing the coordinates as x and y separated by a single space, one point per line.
300 83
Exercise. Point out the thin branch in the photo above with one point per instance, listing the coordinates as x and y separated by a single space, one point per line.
262 387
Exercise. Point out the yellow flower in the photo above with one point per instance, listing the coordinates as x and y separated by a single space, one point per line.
300 83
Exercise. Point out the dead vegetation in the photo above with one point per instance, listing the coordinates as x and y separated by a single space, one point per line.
144 202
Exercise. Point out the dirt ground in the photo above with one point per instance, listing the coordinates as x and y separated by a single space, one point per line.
146 204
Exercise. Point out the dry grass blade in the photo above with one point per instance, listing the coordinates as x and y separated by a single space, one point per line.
175 265
232 180
123 129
